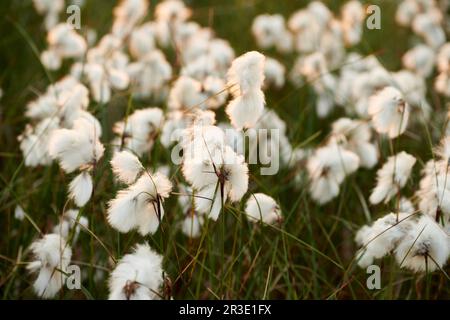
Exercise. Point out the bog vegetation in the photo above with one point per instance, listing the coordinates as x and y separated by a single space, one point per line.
138 147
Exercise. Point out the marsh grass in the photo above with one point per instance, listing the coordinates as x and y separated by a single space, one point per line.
310 255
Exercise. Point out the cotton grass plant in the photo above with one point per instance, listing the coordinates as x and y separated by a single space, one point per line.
129 154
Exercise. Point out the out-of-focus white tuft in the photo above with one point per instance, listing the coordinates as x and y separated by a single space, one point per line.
191 225
353 15
327 168
392 177
139 130
71 220
52 257
80 188
262 208
420 59
270 31
424 248
355 136
382 237
77 147
274 73
245 79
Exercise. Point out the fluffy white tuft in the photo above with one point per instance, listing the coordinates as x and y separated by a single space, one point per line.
80 188
389 112
392 177
126 166
137 276
52 257
261 207
424 248
140 205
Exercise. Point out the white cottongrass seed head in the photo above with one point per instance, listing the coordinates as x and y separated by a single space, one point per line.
51 258
262 208
137 276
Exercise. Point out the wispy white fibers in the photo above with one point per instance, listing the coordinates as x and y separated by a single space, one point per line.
178 121
185 94
139 130
327 168
274 73
172 10
414 90
355 136
424 248
126 166
171 16
420 59
213 169
245 79
58 107
392 177
314 70
66 100
150 74
52 257
51 9
140 206
307 28
34 142
406 12
192 223
105 68
213 90
262 208
64 42
230 178
353 15
270 31
382 237
127 14
137 276
434 191
360 79
389 112
76 147
80 188
71 220
278 144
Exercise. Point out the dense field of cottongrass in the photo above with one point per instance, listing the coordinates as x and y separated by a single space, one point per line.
225 149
